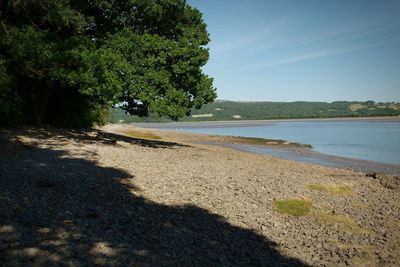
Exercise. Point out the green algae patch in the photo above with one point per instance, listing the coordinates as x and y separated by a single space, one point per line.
141 135
263 141
295 207
334 189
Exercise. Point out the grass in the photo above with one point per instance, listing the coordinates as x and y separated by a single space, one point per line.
346 223
334 189
295 207
329 218
141 135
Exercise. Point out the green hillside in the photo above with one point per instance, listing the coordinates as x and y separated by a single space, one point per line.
230 110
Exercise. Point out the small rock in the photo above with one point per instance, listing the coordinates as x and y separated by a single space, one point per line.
32 252
383 232
6 229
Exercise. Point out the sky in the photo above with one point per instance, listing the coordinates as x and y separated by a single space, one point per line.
308 50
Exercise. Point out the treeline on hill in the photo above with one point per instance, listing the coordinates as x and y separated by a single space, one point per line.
67 62
230 110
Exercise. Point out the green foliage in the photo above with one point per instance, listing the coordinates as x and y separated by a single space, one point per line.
345 223
295 207
224 110
66 62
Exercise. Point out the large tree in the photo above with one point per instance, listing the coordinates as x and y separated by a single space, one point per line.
68 61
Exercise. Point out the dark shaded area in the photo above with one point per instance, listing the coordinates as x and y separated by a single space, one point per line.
69 108
56 210
91 136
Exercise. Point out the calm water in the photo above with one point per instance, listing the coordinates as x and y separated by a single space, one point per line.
373 140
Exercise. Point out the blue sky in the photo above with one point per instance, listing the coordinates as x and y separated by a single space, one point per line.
303 50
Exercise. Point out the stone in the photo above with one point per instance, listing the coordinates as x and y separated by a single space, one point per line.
32 252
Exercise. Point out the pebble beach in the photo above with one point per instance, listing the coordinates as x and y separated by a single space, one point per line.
105 197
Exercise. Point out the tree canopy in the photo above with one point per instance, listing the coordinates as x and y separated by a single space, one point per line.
66 62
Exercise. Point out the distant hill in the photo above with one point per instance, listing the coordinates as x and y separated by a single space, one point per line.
231 110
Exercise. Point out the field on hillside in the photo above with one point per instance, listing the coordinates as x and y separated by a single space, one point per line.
230 110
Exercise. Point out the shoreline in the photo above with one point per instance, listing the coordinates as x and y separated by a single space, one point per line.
372 118
281 149
290 151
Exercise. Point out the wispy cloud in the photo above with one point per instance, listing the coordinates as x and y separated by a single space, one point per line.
245 40
311 55
340 34
371 30
266 38
350 36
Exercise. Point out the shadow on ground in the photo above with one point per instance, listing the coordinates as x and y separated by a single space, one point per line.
58 210
90 136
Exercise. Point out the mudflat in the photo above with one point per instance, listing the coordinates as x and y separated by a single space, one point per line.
125 196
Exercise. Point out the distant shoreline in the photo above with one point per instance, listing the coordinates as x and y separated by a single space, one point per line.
389 118
250 123
274 111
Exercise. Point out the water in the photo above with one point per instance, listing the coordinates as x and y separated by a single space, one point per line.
375 140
